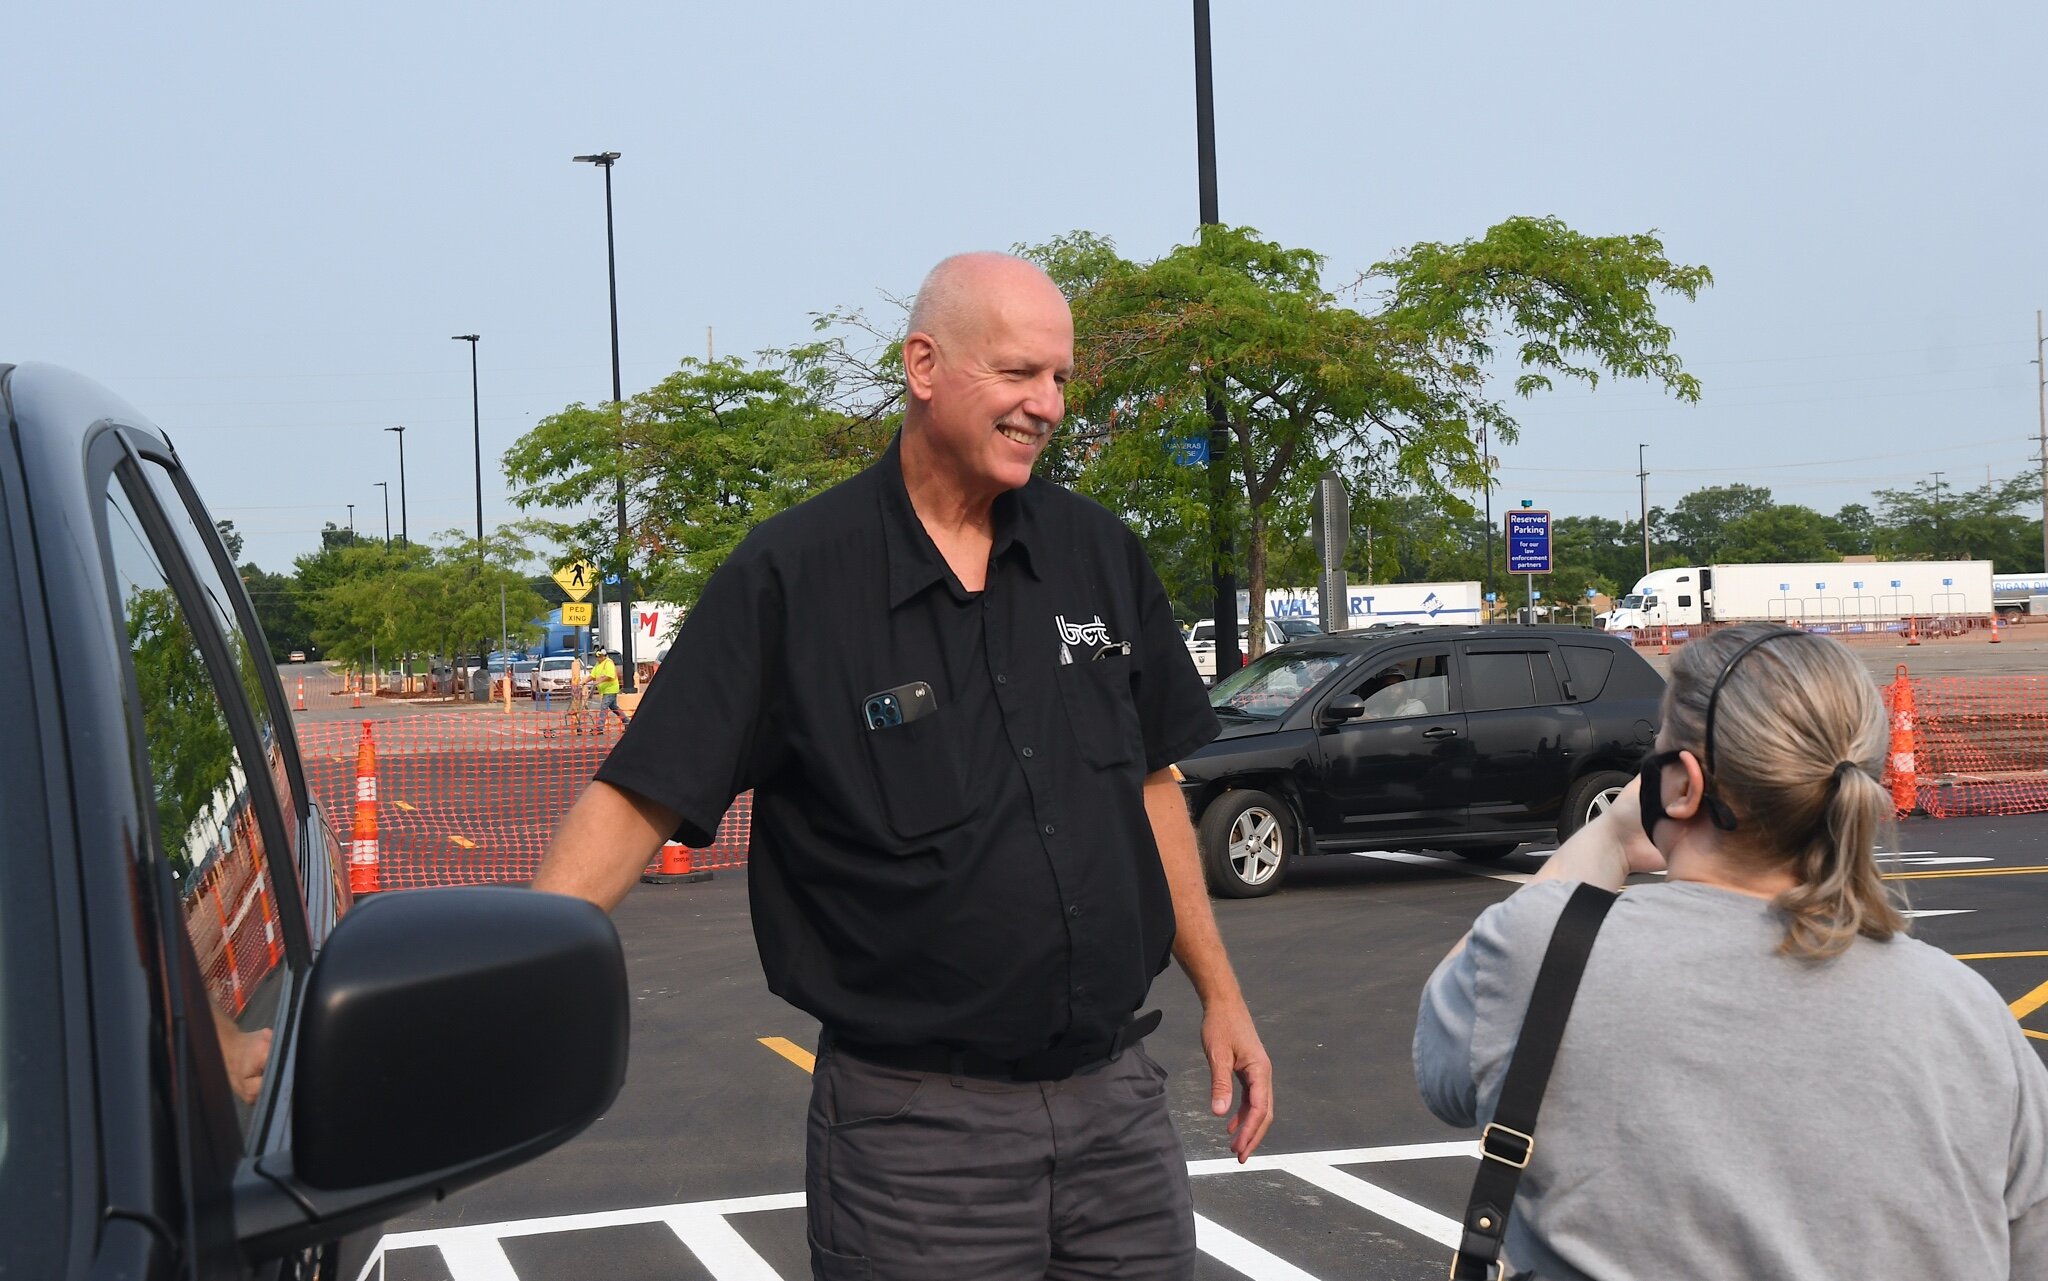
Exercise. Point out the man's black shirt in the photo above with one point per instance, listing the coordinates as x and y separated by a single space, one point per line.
983 876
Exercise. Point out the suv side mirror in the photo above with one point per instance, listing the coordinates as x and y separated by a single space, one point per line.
445 1035
1339 710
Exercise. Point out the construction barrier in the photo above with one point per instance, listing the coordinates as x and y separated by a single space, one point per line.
230 916
471 797
1968 746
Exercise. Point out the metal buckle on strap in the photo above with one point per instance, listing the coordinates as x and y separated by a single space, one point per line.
1495 1271
1528 1148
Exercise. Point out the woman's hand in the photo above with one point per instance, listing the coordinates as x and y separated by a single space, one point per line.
1625 816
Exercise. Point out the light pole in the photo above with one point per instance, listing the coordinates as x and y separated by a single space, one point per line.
476 429
404 534
604 160
385 485
1940 543
1222 574
351 524
1486 462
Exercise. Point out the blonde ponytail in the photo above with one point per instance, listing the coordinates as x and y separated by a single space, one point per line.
1800 737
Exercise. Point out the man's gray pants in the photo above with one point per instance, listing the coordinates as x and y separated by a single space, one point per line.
913 1175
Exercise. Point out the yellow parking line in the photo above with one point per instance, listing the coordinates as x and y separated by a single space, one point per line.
2038 1036
2032 1001
797 1054
463 841
1994 956
407 808
2035 870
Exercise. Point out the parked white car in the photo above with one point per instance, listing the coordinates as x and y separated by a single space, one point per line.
1201 639
552 677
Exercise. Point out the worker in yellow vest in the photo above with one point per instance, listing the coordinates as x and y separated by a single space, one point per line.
604 674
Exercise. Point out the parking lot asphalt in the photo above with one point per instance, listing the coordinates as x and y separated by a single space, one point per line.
697 1170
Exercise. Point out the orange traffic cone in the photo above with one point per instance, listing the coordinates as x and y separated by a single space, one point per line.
1664 640
1901 765
1994 629
673 868
362 848
302 695
355 694
1913 630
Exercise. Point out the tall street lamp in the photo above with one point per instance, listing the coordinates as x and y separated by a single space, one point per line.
604 161
1223 575
351 524
385 485
404 531
476 429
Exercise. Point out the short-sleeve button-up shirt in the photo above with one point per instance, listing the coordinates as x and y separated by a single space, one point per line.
970 864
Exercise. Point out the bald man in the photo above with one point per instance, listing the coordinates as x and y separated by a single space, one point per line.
956 691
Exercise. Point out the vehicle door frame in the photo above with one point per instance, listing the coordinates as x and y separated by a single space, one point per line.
1333 825
1537 815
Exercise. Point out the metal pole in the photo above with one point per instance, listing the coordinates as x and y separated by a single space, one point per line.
1486 462
1222 573
351 524
476 427
1643 498
404 526
2041 368
385 485
1532 600
1940 543
626 682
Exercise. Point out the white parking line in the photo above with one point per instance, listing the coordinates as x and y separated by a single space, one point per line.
476 1252
1449 864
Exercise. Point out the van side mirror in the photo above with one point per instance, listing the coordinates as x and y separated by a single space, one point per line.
446 1035
1339 710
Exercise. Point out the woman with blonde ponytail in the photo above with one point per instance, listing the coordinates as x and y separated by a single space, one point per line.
1762 1075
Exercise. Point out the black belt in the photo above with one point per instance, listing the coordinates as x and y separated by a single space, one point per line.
1047 1065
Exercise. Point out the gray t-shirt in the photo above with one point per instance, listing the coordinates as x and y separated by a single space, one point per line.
1718 1110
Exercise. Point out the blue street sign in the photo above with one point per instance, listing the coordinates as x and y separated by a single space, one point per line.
1857 586
611 580
1786 587
1590 593
1190 451
1491 596
1895 582
1528 538
1948 582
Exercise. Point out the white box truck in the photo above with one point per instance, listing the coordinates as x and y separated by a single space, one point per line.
2020 593
1818 594
654 623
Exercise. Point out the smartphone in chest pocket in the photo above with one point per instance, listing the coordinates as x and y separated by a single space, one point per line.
889 708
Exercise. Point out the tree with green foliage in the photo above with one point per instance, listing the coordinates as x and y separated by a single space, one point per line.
423 599
1391 397
1693 528
1984 523
179 705
706 454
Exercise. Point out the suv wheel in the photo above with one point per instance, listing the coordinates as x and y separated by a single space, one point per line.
1248 840
1589 799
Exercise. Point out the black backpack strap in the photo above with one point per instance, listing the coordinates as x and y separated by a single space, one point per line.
1508 1143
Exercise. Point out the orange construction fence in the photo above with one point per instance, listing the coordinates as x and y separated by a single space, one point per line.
470 797
1968 746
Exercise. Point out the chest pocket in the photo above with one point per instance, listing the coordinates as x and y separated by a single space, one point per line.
1099 706
917 773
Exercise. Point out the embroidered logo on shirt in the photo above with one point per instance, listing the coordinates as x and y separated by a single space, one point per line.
1094 635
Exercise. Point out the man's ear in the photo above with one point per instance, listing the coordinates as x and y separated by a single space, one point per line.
1692 787
920 362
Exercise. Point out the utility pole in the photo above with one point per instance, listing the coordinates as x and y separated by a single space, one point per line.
404 526
2041 374
1940 542
1643 498
385 485
351 524
1222 574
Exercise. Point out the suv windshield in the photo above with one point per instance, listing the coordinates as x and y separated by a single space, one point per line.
1274 682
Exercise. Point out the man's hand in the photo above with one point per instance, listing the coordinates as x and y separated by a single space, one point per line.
246 1054
1236 1056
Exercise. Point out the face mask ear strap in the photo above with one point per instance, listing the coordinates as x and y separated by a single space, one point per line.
1718 811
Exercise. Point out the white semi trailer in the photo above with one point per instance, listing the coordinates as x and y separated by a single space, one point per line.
1813 594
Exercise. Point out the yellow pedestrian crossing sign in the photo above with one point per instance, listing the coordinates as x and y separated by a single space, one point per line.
577 579
576 615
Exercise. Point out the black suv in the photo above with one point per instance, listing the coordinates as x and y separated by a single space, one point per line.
212 1063
1470 740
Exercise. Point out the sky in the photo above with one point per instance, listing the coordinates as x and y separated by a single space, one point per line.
260 224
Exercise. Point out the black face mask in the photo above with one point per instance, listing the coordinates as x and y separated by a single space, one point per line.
1650 796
